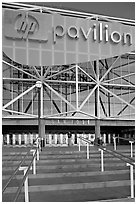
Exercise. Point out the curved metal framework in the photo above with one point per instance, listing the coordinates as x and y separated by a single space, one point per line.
69 91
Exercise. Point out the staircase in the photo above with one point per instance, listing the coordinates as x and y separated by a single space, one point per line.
65 175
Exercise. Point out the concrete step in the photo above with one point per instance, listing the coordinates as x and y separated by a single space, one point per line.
70 174
41 181
74 192
62 161
72 186
69 166
67 176
74 195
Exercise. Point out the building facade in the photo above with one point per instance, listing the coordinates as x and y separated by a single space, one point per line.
66 72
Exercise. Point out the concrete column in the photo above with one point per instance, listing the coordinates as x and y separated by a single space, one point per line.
50 139
28 138
61 139
13 139
97 101
19 138
41 125
66 138
97 128
109 138
55 138
8 139
25 139
104 138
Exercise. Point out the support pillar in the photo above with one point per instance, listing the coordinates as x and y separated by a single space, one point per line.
97 102
61 138
19 137
104 138
50 139
109 138
42 126
55 138
13 138
25 139
40 109
8 139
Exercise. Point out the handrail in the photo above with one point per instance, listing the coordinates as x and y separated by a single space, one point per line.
16 170
124 138
24 178
131 161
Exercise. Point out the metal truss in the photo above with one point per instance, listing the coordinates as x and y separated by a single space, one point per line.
71 89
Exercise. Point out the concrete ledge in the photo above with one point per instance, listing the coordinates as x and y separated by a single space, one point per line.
118 200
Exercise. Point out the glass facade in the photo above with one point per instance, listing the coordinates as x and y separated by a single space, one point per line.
70 90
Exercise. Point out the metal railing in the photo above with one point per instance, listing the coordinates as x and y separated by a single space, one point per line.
26 170
131 141
128 160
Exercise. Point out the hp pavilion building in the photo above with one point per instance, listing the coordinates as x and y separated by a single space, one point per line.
65 74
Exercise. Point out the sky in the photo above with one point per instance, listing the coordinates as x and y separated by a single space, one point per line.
120 9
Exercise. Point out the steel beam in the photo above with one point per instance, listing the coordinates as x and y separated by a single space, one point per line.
22 94
77 96
109 69
117 97
127 75
89 95
97 102
20 69
61 97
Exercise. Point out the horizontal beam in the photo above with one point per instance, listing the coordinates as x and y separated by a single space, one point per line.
18 79
63 122
67 12
118 85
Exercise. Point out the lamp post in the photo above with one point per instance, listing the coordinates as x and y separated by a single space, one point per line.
39 85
